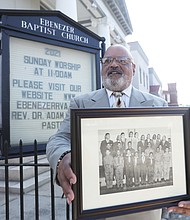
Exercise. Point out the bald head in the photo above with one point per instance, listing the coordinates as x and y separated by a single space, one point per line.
118 68
119 50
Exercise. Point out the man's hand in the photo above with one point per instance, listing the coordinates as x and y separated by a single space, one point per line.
182 208
66 177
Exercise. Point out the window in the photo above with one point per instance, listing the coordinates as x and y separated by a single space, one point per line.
144 79
147 82
140 74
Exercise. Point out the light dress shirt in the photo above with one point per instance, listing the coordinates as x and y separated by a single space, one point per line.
125 97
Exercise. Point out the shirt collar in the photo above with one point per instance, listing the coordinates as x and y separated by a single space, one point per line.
126 91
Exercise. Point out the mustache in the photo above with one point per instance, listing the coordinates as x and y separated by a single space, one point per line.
114 71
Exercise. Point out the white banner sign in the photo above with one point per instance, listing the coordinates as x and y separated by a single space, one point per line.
43 79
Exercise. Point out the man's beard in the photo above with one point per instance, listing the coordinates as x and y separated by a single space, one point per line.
116 85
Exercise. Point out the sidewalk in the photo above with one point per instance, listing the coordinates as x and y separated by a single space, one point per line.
29 205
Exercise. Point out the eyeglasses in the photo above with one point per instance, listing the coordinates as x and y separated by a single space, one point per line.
119 60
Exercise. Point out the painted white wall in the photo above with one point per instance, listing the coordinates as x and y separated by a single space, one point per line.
110 21
103 26
68 8
140 64
20 4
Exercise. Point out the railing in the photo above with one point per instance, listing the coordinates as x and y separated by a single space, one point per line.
40 200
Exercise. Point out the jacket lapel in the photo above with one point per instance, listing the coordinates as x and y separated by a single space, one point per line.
139 100
98 100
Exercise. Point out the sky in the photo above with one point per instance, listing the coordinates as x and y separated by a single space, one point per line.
162 29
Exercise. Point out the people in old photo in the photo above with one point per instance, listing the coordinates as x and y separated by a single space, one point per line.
118 145
119 168
107 143
164 143
142 143
150 167
136 168
108 168
134 165
167 163
135 140
128 167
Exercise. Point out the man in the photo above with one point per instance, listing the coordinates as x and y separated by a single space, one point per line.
143 168
118 69
130 147
128 168
158 159
142 143
136 168
108 169
164 143
104 145
118 145
118 163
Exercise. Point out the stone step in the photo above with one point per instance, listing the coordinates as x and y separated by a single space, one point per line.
28 171
28 184
28 174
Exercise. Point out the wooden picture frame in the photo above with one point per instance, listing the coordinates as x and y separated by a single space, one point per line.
100 192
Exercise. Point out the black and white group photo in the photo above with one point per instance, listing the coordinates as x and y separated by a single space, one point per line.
134 159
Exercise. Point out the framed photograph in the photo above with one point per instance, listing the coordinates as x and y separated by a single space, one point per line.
129 160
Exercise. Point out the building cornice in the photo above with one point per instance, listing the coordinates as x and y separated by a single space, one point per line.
120 12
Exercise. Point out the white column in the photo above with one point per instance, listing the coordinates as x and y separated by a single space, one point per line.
67 7
103 30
